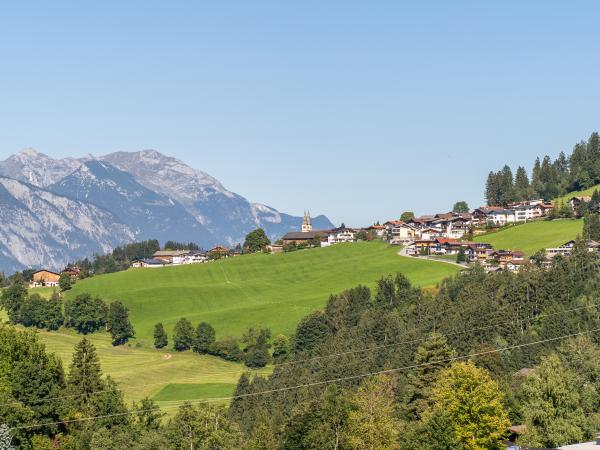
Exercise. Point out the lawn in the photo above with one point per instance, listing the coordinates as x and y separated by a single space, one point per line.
263 290
533 236
142 372
187 391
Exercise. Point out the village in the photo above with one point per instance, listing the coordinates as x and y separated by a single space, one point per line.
444 236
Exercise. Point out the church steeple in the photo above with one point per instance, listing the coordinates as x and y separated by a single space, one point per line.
306 225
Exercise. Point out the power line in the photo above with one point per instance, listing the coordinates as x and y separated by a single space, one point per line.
292 363
316 383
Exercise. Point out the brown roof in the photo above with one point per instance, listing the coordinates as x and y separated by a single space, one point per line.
308 235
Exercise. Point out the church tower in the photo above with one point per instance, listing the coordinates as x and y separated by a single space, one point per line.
306 225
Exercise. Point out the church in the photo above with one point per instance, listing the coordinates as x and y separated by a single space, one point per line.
307 235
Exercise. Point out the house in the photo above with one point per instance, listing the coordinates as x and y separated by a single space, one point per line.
525 213
342 234
149 262
44 278
479 216
73 272
567 248
219 250
514 265
172 256
430 233
377 230
399 232
575 201
195 257
306 238
503 257
501 217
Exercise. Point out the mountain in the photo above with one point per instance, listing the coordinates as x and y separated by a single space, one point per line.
147 213
227 215
36 168
40 228
57 210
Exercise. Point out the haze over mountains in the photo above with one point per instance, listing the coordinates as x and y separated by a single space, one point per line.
53 211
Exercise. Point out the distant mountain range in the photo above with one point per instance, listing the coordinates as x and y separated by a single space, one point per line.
53 211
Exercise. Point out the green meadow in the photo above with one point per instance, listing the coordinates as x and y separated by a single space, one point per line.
261 290
533 236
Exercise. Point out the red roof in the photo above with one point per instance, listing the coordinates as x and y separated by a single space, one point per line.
446 240
395 222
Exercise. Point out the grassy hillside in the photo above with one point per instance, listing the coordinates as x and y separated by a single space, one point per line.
275 291
533 236
164 375
587 192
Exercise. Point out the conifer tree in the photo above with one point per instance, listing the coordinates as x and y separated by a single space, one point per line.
85 374
205 337
430 358
118 323
160 336
183 335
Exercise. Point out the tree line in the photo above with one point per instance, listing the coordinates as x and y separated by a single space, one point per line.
253 349
83 313
549 178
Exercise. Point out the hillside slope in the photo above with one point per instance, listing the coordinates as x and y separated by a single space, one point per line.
533 236
273 291
585 193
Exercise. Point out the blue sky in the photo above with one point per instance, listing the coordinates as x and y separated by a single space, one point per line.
358 110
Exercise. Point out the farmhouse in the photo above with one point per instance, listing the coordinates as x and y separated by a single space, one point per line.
150 262
574 202
219 250
171 256
44 278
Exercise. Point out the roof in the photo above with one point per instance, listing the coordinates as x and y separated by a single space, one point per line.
376 227
45 270
307 235
502 211
583 198
171 253
151 261
395 222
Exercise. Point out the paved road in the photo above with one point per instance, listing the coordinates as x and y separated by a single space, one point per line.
404 252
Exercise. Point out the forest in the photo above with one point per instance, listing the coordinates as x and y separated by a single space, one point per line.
549 178
396 367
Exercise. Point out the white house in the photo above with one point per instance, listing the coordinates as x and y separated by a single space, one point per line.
195 257
501 217
341 235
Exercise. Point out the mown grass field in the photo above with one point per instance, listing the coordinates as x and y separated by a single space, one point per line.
533 236
261 290
167 376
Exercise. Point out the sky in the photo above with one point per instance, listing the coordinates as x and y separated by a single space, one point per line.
356 110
